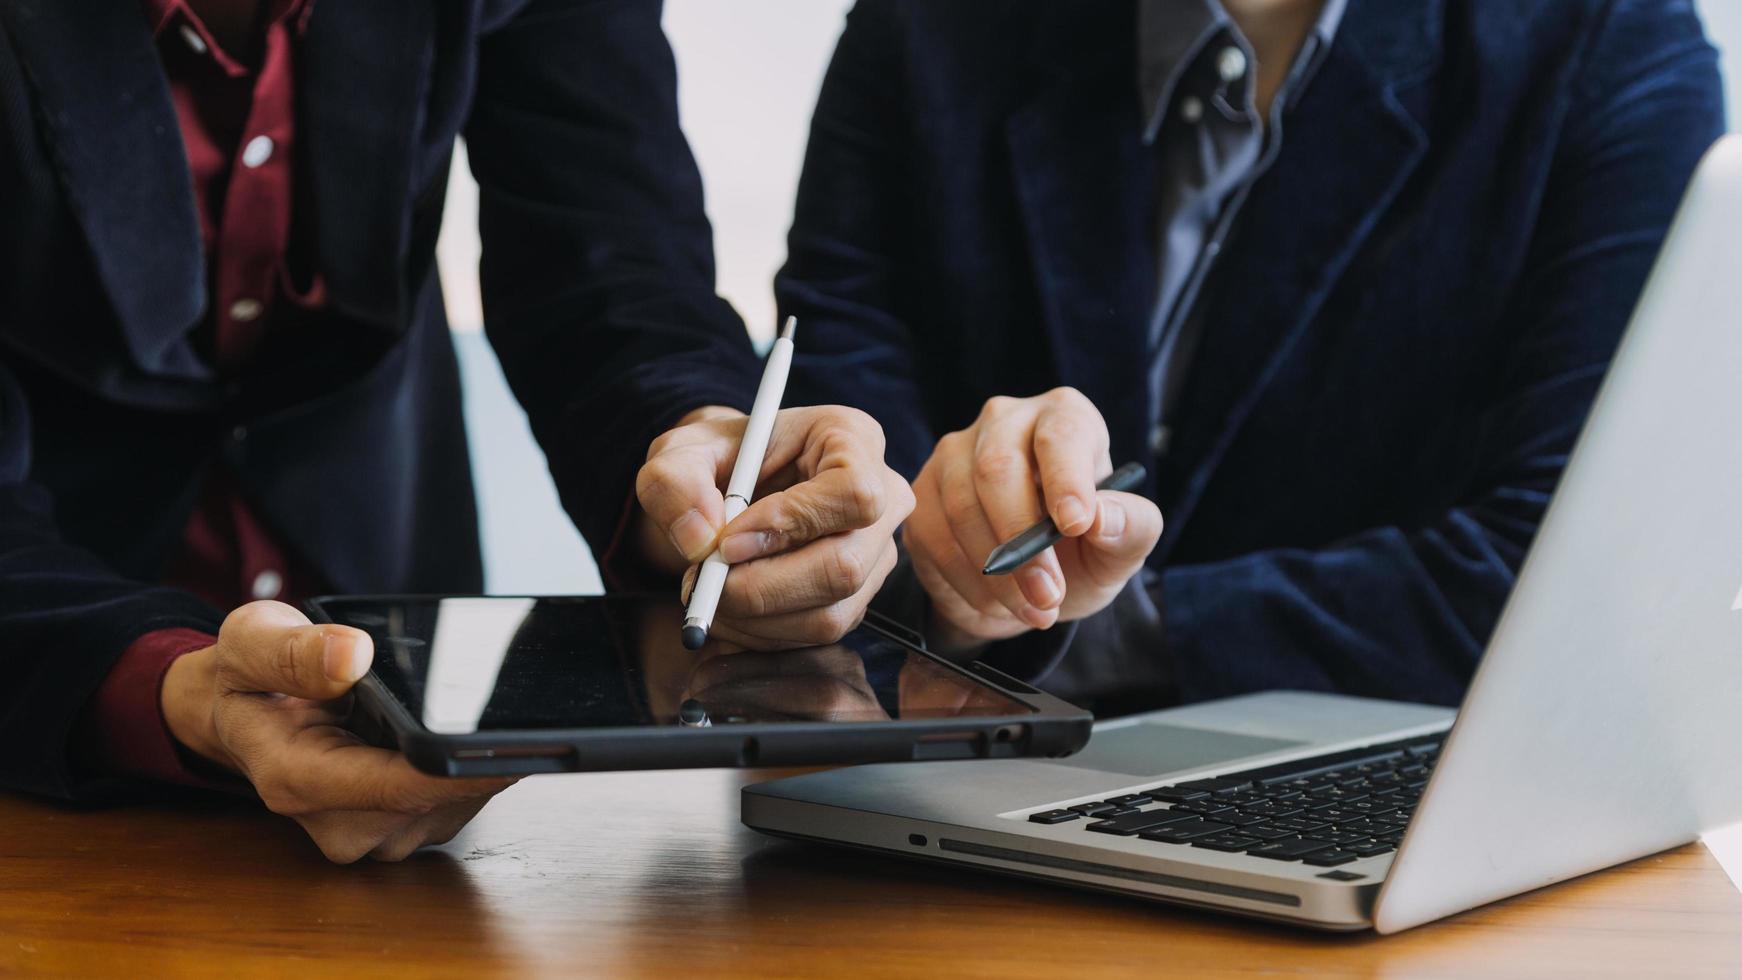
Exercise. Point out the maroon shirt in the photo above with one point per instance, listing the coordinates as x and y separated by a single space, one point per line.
237 115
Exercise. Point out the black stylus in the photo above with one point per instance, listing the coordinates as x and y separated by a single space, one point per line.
1011 555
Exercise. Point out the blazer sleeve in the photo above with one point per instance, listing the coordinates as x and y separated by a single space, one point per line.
1406 611
598 269
65 618
842 278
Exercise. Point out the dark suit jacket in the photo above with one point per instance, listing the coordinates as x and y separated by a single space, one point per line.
598 290
1401 340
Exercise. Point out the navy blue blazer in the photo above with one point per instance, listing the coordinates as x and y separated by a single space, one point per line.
598 286
1401 341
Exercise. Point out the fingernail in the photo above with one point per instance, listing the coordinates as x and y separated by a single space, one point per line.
692 535
746 545
1112 521
1039 588
344 659
1070 514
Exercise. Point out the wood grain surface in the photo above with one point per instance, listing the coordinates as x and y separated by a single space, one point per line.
650 874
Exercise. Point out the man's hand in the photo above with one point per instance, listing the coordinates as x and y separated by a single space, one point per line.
1022 459
812 549
268 702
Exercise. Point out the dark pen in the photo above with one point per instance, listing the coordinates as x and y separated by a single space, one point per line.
1011 555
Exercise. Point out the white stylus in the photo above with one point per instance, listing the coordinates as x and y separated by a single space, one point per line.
705 597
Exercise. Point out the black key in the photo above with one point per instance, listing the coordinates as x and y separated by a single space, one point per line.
1288 850
1271 809
1339 837
1327 859
1366 828
1371 808
1054 816
1184 831
1205 808
1239 819
1174 794
1386 793
1232 841
1118 811
1092 809
1424 751
1395 837
1369 850
1267 832
1136 821
1243 798
1217 784
1129 799
1412 772
1281 793
1337 813
1337 794
1300 825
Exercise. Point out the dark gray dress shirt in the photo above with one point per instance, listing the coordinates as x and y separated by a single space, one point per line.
1198 85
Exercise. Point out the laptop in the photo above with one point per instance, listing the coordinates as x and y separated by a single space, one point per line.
1604 723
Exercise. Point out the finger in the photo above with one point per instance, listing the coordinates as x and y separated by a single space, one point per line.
437 827
813 439
975 539
1003 470
299 771
270 647
1004 482
819 574
1070 451
679 489
845 497
808 627
1126 529
955 610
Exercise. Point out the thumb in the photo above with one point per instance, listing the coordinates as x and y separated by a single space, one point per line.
1126 528
269 647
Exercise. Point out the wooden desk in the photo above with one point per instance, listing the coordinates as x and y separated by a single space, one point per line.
651 874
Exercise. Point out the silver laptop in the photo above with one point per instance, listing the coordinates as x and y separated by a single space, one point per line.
1604 724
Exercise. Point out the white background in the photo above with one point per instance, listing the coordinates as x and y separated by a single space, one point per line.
748 72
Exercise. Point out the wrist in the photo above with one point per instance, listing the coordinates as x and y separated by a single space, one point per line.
187 698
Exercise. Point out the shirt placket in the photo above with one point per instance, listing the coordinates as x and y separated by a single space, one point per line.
255 228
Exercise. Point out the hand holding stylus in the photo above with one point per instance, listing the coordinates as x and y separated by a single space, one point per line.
815 541
1024 460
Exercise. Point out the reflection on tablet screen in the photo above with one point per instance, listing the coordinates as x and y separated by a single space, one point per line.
501 664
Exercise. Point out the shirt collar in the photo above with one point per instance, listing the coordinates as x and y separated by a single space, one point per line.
1171 34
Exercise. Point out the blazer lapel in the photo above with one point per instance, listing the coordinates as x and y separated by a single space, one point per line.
1085 187
117 146
1349 147
362 89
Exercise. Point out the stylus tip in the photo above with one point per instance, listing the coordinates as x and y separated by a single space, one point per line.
694 637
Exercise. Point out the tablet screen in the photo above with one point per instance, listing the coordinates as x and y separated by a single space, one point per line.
479 664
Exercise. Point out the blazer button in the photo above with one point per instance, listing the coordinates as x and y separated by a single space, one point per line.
1159 437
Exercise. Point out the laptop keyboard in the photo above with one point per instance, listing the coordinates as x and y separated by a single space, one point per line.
1325 810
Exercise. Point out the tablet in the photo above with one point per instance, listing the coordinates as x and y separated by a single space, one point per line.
505 685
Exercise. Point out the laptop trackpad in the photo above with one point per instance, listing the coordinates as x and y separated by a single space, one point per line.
1151 748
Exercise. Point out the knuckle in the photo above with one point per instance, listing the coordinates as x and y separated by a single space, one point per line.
961 505
865 498
837 621
287 661
846 572
997 405
904 501
998 467
1065 396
